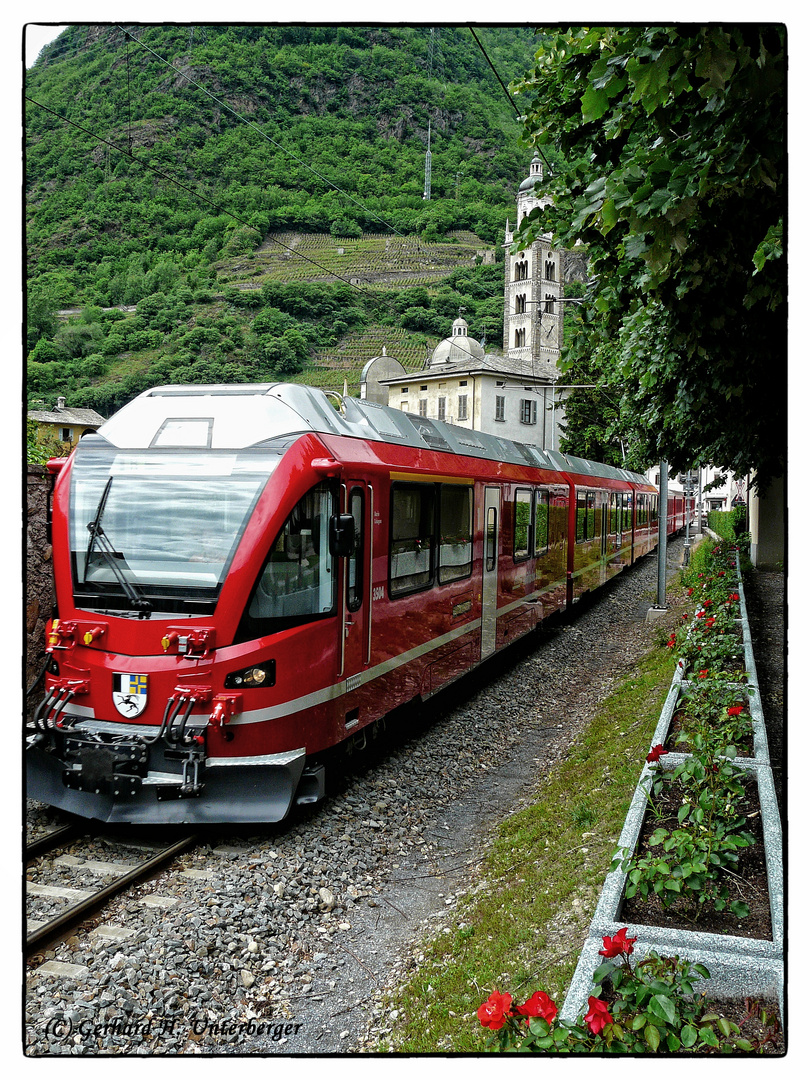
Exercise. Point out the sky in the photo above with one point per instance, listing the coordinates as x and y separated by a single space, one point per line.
37 36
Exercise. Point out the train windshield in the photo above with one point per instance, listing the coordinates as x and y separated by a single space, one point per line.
154 531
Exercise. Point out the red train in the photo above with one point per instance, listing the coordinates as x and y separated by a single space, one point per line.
248 576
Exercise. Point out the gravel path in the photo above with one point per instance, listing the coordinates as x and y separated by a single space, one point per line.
284 941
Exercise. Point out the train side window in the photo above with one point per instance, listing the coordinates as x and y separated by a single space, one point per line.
298 579
627 512
586 515
413 518
523 523
541 504
354 594
455 532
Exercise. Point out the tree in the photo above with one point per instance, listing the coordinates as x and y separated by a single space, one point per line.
673 175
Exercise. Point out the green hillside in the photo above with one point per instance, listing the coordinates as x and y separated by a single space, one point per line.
254 193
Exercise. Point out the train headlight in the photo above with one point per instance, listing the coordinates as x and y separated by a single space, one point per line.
257 675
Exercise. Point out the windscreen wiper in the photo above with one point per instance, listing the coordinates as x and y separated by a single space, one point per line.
98 539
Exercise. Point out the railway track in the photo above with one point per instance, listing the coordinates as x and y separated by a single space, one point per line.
66 881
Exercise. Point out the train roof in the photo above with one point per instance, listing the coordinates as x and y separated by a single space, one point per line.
239 416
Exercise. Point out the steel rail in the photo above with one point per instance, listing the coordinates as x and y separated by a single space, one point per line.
49 841
78 911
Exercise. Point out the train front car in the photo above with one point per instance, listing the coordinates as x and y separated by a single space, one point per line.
194 522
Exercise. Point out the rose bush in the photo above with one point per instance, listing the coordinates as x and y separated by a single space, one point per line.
650 1006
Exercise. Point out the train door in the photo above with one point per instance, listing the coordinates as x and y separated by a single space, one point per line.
355 644
489 593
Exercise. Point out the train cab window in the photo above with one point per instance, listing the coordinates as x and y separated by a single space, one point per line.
541 504
413 517
455 532
298 579
523 523
354 565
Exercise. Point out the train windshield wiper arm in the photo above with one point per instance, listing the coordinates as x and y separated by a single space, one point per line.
98 540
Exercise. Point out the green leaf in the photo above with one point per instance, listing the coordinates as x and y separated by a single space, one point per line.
689 1035
594 105
663 1007
652 1037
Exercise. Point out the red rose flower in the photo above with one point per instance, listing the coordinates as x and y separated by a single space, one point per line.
618 944
735 710
597 1016
703 674
494 1011
539 1004
656 753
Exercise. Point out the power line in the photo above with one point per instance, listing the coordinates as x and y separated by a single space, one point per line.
184 187
255 127
196 194
505 90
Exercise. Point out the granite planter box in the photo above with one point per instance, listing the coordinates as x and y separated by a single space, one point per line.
739 966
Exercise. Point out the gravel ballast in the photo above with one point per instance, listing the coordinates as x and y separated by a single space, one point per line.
284 941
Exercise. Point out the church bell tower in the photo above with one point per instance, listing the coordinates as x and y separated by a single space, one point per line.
533 315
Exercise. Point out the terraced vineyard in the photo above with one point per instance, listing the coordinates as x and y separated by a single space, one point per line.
374 258
330 369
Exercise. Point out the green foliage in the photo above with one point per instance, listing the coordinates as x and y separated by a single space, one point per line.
728 524
672 173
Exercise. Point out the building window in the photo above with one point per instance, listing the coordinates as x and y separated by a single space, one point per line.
528 411
66 435
520 337
550 272
521 270
500 407
550 303
520 304
462 406
442 408
423 406
404 390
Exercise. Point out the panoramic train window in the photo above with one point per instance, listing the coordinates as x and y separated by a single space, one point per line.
523 523
298 579
586 515
541 503
413 517
354 565
627 511
455 531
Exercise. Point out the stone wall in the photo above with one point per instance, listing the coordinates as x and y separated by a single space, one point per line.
39 591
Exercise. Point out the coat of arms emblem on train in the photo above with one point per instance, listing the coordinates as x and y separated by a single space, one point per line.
129 693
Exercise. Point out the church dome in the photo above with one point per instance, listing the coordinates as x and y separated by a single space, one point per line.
458 348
